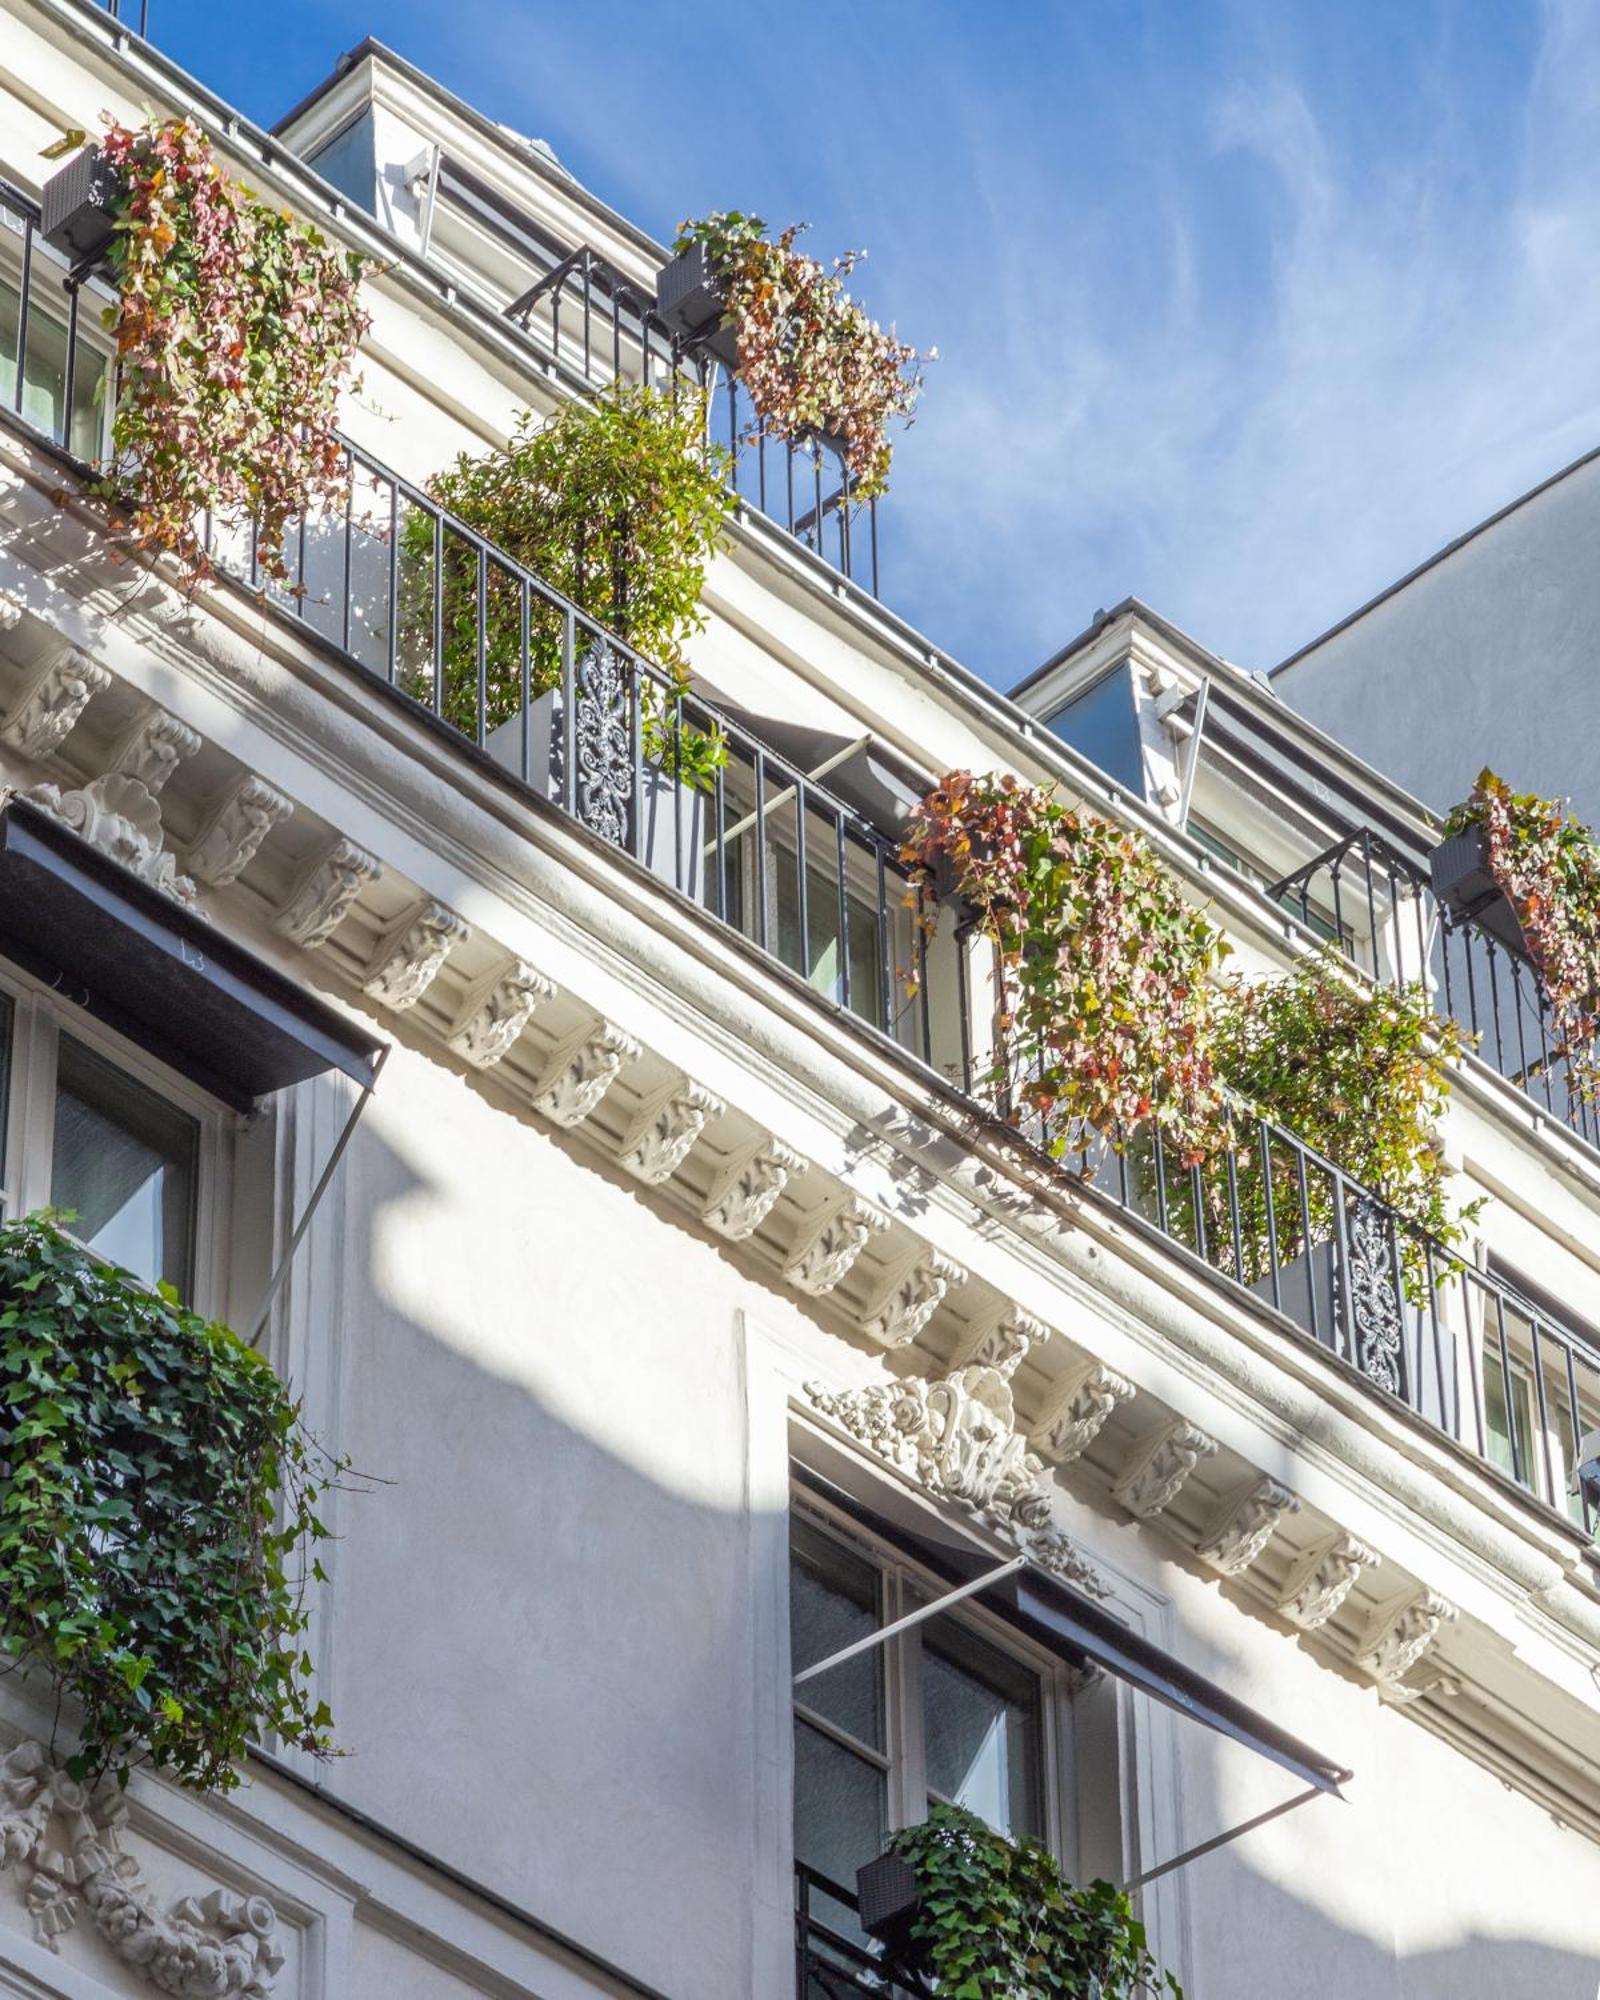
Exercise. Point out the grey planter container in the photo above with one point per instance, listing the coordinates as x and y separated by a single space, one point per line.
887 1901
691 299
75 207
1463 884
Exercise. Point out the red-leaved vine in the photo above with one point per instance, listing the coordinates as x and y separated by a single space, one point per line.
1547 866
1105 1001
814 362
235 329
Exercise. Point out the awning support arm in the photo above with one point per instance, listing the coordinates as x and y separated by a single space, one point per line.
324 1181
911 1618
1222 1839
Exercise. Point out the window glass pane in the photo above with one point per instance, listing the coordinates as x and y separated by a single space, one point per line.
833 1601
44 382
125 1163
981 1720
840 1809
349 163
1499 1418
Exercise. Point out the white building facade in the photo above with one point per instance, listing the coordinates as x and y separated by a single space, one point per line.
688 1314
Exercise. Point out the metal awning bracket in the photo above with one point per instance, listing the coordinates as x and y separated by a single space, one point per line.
911 1618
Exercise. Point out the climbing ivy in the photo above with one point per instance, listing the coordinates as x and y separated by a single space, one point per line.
158 1502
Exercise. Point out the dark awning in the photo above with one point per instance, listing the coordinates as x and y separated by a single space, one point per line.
159 974
1080 1631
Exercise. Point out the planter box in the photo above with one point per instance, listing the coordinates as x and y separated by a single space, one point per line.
887 1899
1463 884
674 815
75 207
690 300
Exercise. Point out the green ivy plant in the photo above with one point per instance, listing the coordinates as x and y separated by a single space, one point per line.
814 362
1105 992
1547 866
997 1920
617 503
236 327
158 1501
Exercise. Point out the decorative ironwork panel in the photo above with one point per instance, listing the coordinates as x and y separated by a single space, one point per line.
604 743
1377 1322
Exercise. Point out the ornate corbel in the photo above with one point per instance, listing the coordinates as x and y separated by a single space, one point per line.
912 1297
1398 1638
665 1128
54 700
242 818
1076 1414
1322 1579
825 1250
744 1194
1244 1526
411 954
1156 1470
495 1011
326 893
154 748
582 1071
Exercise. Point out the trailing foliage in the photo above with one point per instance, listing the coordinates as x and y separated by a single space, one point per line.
998 1921
1547 866
235 328
1105 1011
616 503
155 1487
1359 1077
813 361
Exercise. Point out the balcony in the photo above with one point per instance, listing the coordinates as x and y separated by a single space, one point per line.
797 859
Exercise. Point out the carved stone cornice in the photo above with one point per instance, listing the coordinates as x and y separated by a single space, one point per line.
912 1297
67 1841
44 718
242 818
1157 1468
581 1071
1321 1580
325 894
495 1011
957 1438
117 815
411 954
1078 1412
744 1194
824 1252
1398 1638
1244 1526
1004 1340
665 1128
154 748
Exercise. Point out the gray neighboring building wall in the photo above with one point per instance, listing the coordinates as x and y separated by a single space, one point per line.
1496 640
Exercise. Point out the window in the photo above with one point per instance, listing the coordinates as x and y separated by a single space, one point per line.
91 1126
44 378
945 1712
1533 1432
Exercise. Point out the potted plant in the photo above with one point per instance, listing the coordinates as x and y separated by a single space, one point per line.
77 207
693 302
1465 884
960 1908
816 366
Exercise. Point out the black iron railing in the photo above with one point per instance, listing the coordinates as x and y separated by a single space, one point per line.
598 321
1382 908
427 609
133 14
830 1965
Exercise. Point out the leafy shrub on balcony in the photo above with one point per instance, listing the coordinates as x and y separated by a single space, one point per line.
814 362
997 1920
1547 866
616 503
156 1497
1105 1014
235 329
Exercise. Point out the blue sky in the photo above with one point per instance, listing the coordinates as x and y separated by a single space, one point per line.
1243 308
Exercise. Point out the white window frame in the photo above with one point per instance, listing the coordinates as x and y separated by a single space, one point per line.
903 1584
47 296
39 1019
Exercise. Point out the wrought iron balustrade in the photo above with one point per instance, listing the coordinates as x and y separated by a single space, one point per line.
426 608
133 14
1381 907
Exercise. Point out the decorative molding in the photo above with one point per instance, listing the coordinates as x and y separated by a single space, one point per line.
1244 1526
957 1438
1079 1410
823 1253
746 1192
154 748
1157 1468
244 816
912 1297
582 1071
11 610
665 1128
117 815
1004 1340
325 894
1397 1639
44 718
68 1840
411 953
495 1011
1322 1579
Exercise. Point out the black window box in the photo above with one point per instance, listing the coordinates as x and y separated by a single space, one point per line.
1463 884
887 1902
75 207
691 300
